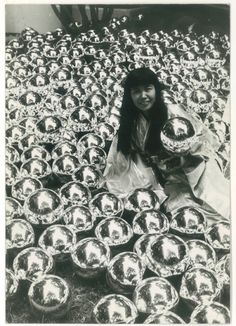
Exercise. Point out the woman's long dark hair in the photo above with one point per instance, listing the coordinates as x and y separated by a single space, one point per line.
129 113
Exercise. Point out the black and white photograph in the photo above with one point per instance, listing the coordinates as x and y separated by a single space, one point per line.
118 163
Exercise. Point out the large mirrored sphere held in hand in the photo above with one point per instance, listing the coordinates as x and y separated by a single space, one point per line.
168 255
91 257
49 295
22 188
218 236
32 263
43 207
178 135
155 295
201 254
124 272
212 313
167 317
115 309
79 217
200 286
188 220
114 231
12 284
106 204
142 199
19 234
58 241
75 193
150 221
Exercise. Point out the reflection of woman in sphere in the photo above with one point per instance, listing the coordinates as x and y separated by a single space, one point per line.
137 158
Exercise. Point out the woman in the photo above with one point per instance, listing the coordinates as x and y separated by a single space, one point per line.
137 159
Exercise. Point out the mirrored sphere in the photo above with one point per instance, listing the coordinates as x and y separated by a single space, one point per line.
19 234
63 148
150 221
35 151
11 155
155 295
57 240
201 254
222 269
49 295
65 165
13 209
91 257
75 193
142 199
22 188
32 263
88 175
35 168
113 309
82 119
200 286
212 313
124 272
167 317
218 236
178 135
12 283
79 217
94 156
106 204
11 173
188 220
114 231
43 206
168 255
89 140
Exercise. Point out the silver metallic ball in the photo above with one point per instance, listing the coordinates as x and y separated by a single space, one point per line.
35 151
124 272
200 101
88 175
106 204
141 246
222 269
49 127
43 207
30 98
63 148
58 241
82 119
212 313
91 257
167 317
11 284
150 221
178 135
65 165
218 236
13 209
188 220
201 254
22 188
115 309
49 295
35 168
27 141
79 217
142 199
155 295
11 173
14 134
32 263
105 130
114 231
19 234
95 156
75 193
68 103
168 255
200 286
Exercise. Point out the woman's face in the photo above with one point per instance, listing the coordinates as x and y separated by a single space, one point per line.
143 96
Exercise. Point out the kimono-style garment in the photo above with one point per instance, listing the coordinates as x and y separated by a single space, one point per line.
193 180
